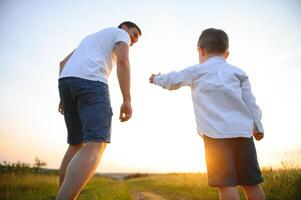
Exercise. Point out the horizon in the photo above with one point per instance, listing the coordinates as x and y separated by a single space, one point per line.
284 165
287 161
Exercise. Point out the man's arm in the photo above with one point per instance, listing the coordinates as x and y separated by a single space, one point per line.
63 62
121 50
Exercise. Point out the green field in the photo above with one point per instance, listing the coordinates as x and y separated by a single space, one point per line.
279 184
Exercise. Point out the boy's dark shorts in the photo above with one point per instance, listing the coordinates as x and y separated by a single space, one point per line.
87 110
231 162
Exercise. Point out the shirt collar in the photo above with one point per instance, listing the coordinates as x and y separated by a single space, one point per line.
215 58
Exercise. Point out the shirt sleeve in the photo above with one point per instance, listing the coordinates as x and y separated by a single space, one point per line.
122 36
175 80
250 102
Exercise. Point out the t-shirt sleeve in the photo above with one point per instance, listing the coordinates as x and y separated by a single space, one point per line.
122 36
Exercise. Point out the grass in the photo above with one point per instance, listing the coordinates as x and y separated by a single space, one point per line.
27 186
176 186
186 186
45 187
284 184
106 189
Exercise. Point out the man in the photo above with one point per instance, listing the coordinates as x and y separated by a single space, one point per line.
85 101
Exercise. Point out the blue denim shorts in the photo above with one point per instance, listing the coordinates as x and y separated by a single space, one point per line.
231 162
87 110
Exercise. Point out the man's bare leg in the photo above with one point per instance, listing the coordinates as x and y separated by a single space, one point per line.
80 170
71 151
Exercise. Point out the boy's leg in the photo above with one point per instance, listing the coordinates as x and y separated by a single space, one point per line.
249 174
80 170
71 151
228 193
254 192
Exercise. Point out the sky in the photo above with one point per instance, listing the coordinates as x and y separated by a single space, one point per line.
265 41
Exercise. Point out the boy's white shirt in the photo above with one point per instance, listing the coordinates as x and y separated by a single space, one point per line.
223 102
93 59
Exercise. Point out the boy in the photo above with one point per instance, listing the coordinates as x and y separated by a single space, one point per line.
226 115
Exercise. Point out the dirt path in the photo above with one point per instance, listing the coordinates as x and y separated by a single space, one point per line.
148 196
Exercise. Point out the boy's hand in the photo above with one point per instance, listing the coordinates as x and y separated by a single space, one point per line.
151 78
125 111
61 109
257 135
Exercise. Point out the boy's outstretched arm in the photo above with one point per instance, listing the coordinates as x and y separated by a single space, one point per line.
174 80
253 108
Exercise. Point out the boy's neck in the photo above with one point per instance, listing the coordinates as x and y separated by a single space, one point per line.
214 55
204 56
208 56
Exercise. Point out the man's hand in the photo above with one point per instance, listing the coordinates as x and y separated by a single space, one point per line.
125 111
61 109
257 135
152 77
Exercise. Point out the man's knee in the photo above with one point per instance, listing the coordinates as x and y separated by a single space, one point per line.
76 146
96 147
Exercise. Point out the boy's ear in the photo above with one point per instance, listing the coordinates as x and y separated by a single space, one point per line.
203 51
124 27
226 54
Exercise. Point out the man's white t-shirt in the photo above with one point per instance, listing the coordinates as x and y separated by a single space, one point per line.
93 59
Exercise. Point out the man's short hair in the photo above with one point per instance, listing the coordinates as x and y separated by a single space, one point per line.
214 41
130 25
